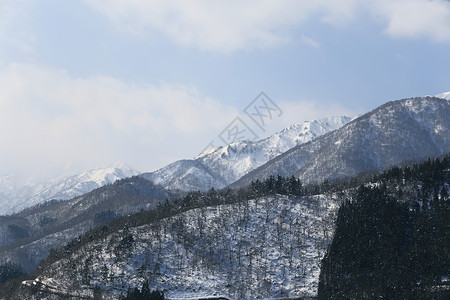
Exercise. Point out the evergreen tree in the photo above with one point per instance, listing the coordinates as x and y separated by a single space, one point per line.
98 293
444 194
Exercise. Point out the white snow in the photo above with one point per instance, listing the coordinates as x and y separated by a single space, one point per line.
15 196
222 166
445 95
273 245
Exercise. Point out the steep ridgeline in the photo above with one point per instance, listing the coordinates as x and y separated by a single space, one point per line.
392 238
444 95
215 243
219 167
27 237
398 131
15 197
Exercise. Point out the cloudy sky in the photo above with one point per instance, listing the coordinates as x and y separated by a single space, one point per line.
86 83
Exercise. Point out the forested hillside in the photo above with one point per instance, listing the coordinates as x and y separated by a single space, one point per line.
27 237
267 241
392 239
205 243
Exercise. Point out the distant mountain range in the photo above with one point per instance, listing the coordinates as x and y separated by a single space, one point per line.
15 197
28 236
398 131
217 168
222 166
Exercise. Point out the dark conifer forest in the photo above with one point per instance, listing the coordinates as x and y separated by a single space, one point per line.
392 238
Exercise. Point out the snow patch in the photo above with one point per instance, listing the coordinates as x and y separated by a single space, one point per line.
445 95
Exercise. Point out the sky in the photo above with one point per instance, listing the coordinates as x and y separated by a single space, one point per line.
87 83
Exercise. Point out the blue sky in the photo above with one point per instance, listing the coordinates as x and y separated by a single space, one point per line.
84 84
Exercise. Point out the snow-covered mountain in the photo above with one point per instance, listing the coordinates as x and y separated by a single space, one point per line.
445 95
15 196
398 131
204 243
27 237
219 167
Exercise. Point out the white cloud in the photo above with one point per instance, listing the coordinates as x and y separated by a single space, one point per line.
416 18
310 42
222 26
14 36
226 26
49 120
338 12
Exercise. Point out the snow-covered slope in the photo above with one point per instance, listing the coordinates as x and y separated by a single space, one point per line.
398 131
222 166
27 237
15 197
445 95
258 249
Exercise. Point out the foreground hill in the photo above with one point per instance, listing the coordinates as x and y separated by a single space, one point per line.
398 131
272 244
392 239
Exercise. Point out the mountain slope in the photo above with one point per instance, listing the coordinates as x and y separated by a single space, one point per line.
403 130
15 197
226 164
392 238
272 244
445 95
27 237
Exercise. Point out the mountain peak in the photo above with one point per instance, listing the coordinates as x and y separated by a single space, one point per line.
445 95
208 150
398 131
121 165
19 196
218 167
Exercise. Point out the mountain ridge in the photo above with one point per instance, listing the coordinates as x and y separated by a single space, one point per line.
385 136
16 197
28 236
219 167
445 95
